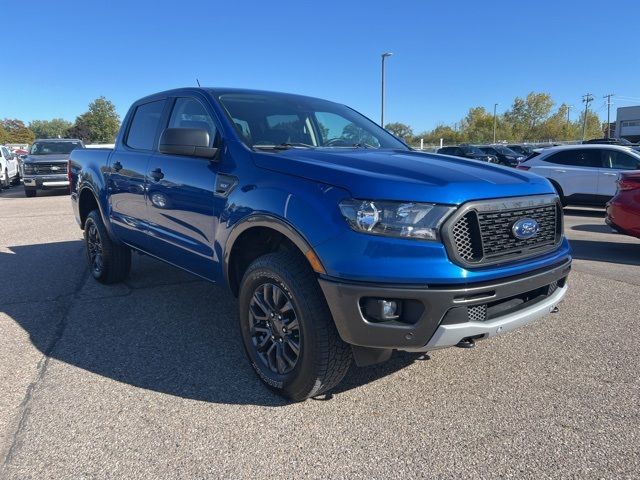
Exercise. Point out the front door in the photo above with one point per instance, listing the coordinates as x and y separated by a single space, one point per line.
614 162
180 197
127 181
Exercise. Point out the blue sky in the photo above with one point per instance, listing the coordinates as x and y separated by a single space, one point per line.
448 56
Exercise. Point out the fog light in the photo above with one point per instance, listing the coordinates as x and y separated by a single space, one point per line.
389 309
382 310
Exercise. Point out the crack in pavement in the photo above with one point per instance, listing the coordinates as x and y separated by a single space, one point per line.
41 370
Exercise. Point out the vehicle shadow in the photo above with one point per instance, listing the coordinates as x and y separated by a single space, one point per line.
610 252
584 212
163 330
594 228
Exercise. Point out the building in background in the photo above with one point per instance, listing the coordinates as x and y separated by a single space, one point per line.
628 123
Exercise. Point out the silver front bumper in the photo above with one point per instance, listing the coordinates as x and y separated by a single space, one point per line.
450 335
51 181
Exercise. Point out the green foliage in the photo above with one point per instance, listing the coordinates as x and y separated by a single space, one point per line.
15 131
4 135
400 130
56 128
528 119
99 124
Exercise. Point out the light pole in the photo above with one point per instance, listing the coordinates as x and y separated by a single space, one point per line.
384 56
495 106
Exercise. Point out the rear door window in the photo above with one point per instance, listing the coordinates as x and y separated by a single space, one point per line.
144 125
619 160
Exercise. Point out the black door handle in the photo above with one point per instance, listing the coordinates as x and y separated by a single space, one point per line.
117 166
157 174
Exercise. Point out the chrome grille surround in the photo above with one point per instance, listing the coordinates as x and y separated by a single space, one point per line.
479 232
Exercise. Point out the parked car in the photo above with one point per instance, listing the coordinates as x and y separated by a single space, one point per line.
623 210
45 168
339 241
468 151
9 169
583 174
504 155
612 141
522 150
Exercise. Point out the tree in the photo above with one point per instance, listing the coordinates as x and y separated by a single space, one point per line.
4 135
80 129
56 128
478 125
526 114
594 126
400 130
16 132
99 124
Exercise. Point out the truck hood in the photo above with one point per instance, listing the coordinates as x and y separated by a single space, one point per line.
53 158
405 175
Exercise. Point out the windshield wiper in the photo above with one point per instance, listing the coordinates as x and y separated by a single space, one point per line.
364 145
285 146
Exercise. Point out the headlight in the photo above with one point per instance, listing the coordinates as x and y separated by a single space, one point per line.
395 219
29 168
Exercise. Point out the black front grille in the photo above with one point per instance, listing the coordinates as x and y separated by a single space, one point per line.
498 240
482 234
49 168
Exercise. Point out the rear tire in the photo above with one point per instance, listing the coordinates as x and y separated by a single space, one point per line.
30 192
109 262
280 293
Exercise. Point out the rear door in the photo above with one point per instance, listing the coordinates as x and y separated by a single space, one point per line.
575 170
127 179
180 195
614 162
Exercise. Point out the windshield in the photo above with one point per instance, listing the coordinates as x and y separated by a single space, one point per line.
53 148
474 150
507 151
275 120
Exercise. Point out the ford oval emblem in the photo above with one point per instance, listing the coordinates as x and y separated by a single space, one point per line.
525 228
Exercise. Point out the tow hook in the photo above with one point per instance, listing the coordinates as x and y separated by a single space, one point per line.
466 343
555 309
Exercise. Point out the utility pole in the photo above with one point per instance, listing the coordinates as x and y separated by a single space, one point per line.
586 99
384 56
495 105
608 97
569 107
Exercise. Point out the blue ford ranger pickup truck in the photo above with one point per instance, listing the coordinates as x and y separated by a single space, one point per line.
340 242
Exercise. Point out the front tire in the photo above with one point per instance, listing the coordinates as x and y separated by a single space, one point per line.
5 181
287 328
109 262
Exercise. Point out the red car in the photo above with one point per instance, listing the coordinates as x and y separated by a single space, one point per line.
623 210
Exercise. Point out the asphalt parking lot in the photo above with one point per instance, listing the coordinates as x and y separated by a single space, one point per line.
148 379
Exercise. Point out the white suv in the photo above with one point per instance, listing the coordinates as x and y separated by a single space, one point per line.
583 174
9 170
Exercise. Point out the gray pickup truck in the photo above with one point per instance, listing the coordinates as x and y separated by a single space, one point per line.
45 167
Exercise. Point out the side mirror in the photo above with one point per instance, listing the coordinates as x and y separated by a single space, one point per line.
192 142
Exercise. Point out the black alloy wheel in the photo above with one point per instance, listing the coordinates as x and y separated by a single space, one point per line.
94 250
274 328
